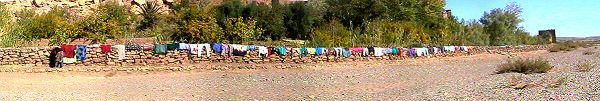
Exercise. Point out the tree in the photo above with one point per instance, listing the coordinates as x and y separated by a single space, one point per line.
299 20
502 24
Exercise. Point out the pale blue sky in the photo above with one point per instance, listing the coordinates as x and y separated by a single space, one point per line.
570 18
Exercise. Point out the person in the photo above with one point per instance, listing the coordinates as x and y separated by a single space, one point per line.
59 58
52 57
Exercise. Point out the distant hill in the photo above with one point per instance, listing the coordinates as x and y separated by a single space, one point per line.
578 38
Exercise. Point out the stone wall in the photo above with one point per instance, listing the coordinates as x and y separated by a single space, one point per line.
38 56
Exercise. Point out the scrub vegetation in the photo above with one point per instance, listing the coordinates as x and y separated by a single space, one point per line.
525 66
322 23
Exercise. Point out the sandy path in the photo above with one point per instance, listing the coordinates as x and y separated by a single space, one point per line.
350 81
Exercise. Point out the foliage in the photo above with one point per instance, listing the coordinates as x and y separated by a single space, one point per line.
525 66
194 23
585 66
503 24
333 34
110 20
238 29
151 15
299 20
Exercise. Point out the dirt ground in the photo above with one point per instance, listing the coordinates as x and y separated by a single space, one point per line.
384 80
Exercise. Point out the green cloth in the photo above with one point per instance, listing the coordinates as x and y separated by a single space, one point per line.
160 49
281 51
173 46
395 51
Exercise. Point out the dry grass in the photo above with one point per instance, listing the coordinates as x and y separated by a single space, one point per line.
558 82
525 66
585 66
589 52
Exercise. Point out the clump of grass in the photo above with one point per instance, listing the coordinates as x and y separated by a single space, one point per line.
589 52
568 46
525 66
558 82
585 66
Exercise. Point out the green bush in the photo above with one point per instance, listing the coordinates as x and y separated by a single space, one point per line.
150 15
333 34
242 31
525 66
110 20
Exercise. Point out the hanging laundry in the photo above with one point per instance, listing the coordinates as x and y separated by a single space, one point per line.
251 48
193 49
271 50
133 47
338 51
282 51
69 60
217 48
378 51
319 51
394 51
346 53
120 51
105 48
371 51
81 55
263 51
226 50
204 49
172 46
183 46
311 51
303 52
68 50
160 49
147 47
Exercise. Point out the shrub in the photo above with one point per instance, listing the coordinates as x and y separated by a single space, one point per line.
333 34
110 20
238 29
150 15
558 48
33 26
585 66
525 66
589 52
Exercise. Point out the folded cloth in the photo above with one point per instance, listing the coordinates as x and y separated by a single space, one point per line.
217 48
183 46
204 49
68 50
193 49
81 55
311 51
120 51
303 51
105 48
172 46
160 49
394 51
262 51
133 47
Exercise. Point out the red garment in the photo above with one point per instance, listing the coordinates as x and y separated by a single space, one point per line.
68 50
269 51
357 50
105 48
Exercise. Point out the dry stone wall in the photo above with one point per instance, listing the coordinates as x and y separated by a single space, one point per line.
38 56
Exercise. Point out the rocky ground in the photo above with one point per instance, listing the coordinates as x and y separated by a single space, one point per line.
451 78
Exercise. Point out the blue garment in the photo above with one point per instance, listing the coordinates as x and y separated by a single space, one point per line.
346 53
282 51
81 49
319 51
217 48
251 48
183 46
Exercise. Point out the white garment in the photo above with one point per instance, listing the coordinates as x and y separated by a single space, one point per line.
378 51
204 48
120 51
365 52
262 50
194 49
338 51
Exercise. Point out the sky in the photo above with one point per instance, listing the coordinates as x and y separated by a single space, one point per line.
570 18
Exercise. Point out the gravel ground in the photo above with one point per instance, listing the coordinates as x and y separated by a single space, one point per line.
450 78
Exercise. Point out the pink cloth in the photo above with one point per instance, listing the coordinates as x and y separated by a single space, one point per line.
357 50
